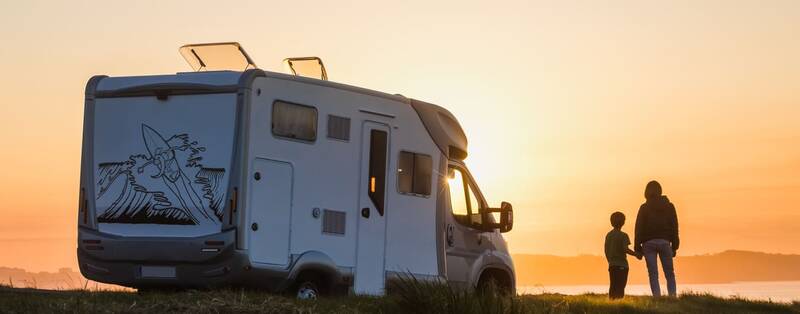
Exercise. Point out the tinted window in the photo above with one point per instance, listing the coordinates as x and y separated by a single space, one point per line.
423 166
294 121
376 186
405 172
339 128
414 173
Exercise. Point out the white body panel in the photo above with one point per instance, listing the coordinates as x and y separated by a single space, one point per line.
327 173
271 204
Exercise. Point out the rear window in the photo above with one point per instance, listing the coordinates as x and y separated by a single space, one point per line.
294 121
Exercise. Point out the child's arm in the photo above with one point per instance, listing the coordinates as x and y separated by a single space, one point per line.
631 252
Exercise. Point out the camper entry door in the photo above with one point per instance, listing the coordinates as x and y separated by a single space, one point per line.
370 248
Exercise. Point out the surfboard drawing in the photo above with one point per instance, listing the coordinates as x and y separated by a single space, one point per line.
155 188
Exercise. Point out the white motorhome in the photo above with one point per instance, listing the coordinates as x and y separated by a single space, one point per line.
278 181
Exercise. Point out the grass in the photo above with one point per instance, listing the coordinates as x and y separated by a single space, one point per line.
409 296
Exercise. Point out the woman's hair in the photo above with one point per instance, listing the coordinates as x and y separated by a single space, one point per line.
653 190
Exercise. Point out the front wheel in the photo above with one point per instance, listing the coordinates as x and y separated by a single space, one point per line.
492 285
307 290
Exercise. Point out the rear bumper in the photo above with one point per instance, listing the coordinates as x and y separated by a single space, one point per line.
125 273
119 260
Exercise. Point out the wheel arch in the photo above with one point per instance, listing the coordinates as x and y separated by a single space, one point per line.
317 264
501 275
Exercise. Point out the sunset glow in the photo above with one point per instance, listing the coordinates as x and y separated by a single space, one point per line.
570 107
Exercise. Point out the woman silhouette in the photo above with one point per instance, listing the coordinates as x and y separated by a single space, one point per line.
656 236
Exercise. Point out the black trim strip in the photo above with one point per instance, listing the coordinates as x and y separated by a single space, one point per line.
167 89
377 113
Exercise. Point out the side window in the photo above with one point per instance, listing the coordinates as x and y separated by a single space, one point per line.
475 205
376 186
414 173
294 121
464 203
459 202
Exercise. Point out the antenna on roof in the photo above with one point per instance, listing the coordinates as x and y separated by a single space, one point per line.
306 66
217 57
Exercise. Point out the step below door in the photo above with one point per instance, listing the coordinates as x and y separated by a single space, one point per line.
270 211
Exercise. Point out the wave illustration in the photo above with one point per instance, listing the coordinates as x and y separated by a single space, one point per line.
135 204
154 188
211 181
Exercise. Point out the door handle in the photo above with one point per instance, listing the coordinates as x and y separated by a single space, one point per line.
365 212
450 239
482 238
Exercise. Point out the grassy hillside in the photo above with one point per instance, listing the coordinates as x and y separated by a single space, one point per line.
412 299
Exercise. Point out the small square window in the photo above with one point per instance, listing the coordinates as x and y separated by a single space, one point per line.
338 128
414 173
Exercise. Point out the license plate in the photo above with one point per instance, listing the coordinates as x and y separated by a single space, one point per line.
158 272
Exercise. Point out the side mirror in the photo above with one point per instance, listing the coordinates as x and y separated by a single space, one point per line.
490 221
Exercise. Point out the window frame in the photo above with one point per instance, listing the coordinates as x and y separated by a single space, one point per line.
462 221
294 139
386 166
328 130
414 155
472 187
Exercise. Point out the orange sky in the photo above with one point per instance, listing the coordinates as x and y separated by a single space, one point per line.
570 107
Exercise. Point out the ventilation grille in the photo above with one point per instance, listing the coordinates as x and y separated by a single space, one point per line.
338 128
333 221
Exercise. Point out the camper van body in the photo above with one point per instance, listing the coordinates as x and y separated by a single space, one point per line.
264 179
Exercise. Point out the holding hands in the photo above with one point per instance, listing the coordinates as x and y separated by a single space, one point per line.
638 254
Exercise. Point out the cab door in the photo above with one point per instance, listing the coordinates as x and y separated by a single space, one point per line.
464 243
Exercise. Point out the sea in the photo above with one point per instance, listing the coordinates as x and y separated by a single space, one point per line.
775 291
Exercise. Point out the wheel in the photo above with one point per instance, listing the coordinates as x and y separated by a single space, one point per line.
307 290
492 285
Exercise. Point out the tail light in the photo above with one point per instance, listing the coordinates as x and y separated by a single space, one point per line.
92 244
84 206
234 202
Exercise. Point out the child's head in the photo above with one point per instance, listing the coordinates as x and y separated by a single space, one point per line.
617 219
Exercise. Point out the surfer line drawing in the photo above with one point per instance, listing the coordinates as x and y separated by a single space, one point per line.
155 187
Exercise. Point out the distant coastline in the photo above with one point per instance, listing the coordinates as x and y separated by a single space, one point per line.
63 279
726 267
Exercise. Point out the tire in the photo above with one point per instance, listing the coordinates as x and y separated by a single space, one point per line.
491 285
308 288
